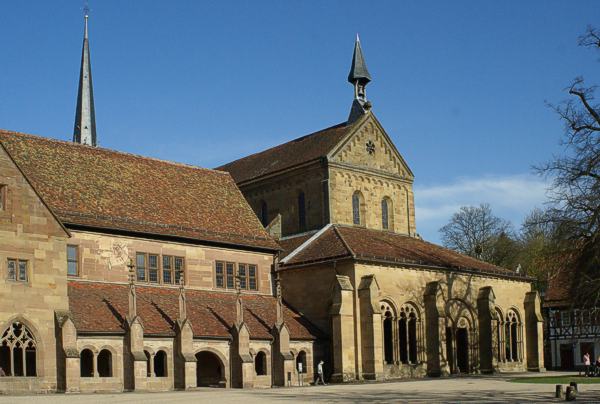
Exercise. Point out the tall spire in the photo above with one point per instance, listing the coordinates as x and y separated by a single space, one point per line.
359 77
85 115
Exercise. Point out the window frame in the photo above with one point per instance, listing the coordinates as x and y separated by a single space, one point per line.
3 197
17 270
149 269
170 270
248 281
221 276
252 277
75 261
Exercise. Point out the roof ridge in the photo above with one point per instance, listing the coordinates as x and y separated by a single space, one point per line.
107 150
338 125
306 243
344 242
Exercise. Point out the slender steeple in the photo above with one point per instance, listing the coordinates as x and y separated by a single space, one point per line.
359 77
85 116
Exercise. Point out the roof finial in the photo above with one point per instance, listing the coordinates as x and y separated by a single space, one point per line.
86 15
359 77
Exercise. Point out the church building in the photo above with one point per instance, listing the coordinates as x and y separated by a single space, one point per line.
127 273
340 202
122 272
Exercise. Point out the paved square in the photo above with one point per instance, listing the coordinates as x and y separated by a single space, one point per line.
478 389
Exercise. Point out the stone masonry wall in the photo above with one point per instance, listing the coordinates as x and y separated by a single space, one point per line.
29 232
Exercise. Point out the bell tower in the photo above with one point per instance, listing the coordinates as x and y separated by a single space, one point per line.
359 77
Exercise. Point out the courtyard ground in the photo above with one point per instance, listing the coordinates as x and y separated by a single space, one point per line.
496 389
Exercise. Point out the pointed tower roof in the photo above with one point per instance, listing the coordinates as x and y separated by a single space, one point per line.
358 70
85 115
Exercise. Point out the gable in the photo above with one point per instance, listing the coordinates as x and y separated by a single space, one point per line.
24 208
368 146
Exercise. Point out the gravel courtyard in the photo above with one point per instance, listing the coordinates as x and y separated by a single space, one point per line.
453 390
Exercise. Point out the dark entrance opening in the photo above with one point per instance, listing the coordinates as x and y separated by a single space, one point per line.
209 370
388 342
402 330
450 350
462 350
86 363
567 361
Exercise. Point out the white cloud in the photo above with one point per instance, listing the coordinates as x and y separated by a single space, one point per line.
511 197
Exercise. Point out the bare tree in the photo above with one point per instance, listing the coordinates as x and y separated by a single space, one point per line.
575 195
475 231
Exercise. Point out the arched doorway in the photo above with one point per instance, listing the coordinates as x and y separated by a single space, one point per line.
209 370
160 364
260 364
462 350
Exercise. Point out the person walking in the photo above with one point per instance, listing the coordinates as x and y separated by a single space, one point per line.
586 362
320 374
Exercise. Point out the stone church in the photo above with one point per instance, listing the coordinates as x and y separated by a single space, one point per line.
123 272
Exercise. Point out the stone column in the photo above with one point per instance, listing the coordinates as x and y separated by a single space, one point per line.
486 313
370 327
435 328
534 326
135 337
342 320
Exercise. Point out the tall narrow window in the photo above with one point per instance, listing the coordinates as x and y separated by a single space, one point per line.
252 284
167 269
219 274
17 270
2 197
72 260
179 268
153 268
230 268
356 200
243 276
301 212
264 214
384 214
141 266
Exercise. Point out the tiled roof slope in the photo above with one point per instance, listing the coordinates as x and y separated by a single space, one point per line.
107 189
102 308
560 289
302 150
340 241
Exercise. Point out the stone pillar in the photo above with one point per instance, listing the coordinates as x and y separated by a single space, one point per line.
534 329
486 314
70 353
370 327
283 360
135 339
185 373
242 375
342 320
435 328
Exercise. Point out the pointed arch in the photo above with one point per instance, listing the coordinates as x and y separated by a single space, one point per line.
19 350
264 213
301 211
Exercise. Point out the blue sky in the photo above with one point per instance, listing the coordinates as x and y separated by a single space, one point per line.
460 86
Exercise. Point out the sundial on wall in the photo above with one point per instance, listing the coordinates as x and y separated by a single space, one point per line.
370 147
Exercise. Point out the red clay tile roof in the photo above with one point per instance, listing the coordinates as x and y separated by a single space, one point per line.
302 150
103 188
340 242
102 308
560 289
289 244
